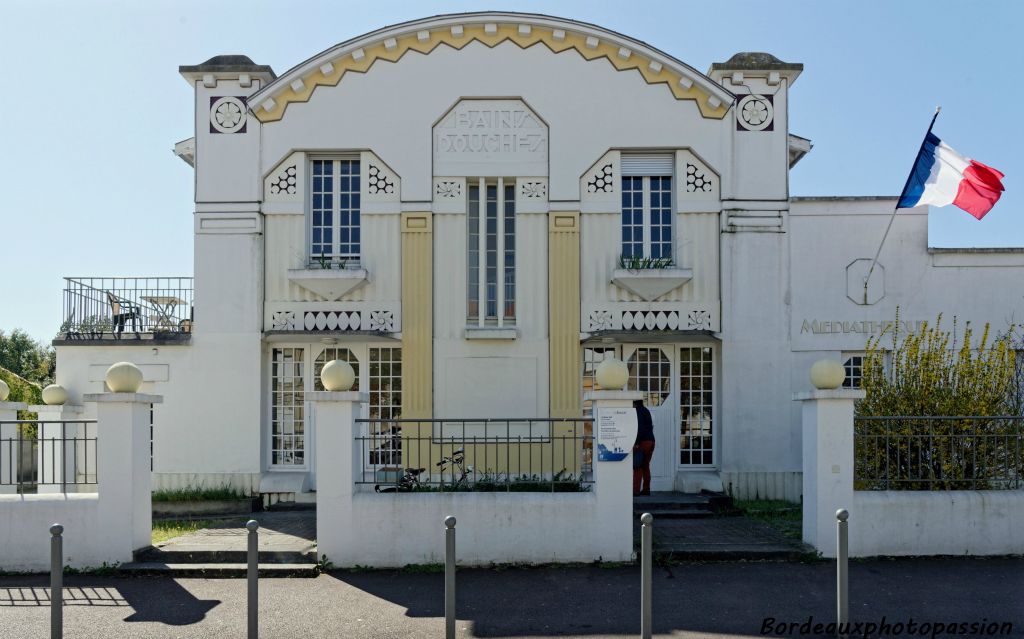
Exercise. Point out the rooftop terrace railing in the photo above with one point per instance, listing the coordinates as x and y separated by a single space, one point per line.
482 455
939 453
127 307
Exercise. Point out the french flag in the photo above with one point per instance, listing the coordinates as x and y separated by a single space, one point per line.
941 176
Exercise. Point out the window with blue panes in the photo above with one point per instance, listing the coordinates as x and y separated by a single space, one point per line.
334 211
647 206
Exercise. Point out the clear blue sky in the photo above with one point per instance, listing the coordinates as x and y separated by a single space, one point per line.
93 104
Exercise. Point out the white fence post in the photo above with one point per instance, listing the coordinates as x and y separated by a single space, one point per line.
613 480
122 467
10 453
338 464
827 462
55 459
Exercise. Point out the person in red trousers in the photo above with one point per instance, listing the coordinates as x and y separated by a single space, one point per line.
644 445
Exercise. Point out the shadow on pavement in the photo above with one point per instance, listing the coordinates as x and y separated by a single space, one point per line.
734 598
152 599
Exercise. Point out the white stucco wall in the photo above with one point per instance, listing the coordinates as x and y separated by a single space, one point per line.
957 522
589 107
25 522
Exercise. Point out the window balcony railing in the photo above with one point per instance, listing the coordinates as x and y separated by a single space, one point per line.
97 308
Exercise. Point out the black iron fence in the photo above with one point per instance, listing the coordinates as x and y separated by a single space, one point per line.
112 307
938 453
35 454
528 455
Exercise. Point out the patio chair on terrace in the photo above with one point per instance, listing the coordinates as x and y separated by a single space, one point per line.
121 311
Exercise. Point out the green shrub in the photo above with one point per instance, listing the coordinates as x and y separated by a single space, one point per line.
221 493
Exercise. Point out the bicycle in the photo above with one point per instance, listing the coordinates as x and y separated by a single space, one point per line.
458 460
407 483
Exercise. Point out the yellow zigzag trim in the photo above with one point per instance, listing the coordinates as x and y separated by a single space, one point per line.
471 32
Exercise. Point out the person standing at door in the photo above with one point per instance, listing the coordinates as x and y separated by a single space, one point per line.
644 446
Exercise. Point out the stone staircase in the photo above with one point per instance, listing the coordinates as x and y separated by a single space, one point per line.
286 549
683 505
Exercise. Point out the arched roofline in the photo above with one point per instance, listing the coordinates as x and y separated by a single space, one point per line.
490 28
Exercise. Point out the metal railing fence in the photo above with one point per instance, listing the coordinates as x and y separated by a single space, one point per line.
47 453
939 453
527 455
98 307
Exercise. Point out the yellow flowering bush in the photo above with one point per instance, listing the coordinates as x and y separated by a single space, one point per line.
966 380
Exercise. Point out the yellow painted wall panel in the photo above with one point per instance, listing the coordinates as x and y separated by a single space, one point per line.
564 312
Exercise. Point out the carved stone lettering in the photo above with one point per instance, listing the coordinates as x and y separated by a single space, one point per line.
490 138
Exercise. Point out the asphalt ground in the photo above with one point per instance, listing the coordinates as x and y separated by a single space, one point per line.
690 600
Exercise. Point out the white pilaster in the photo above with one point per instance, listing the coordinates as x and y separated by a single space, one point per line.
338 464
123 475
613 480
55 456
827 463
10 450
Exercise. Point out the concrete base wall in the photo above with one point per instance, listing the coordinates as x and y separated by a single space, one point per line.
392 530
763 485
248 483
937 523
25 522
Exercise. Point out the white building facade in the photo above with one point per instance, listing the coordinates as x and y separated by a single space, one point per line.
475 210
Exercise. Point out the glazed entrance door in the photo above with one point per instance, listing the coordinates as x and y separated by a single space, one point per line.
651 372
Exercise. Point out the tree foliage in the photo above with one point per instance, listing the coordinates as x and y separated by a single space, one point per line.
27 358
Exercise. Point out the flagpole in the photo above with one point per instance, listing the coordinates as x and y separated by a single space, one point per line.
897 207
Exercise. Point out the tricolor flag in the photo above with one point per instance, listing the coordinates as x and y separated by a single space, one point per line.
942 176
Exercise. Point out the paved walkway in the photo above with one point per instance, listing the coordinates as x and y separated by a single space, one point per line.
723 537
717 600
280 531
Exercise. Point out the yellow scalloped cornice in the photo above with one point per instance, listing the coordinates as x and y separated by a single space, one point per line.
392 49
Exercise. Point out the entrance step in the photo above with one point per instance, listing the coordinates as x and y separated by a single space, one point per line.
286 547
670 505
226 556
217 570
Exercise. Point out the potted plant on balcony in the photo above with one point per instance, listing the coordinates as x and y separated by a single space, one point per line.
649 278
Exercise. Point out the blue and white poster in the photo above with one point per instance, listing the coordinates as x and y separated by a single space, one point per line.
616 432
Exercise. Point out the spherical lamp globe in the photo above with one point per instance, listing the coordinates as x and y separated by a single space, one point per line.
5 391
54 395
338 375
612 374
124 377
827 374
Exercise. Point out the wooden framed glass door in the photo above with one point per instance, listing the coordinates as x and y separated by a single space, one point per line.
652 372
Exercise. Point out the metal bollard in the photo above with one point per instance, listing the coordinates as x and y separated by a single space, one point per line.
253 575
449 577
842 573
646 539
56 581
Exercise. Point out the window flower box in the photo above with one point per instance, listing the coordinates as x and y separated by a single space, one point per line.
650 284
331 284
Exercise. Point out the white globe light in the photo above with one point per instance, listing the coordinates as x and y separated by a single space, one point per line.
338 375
5 391
124 377
612 374
827 374
54 395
